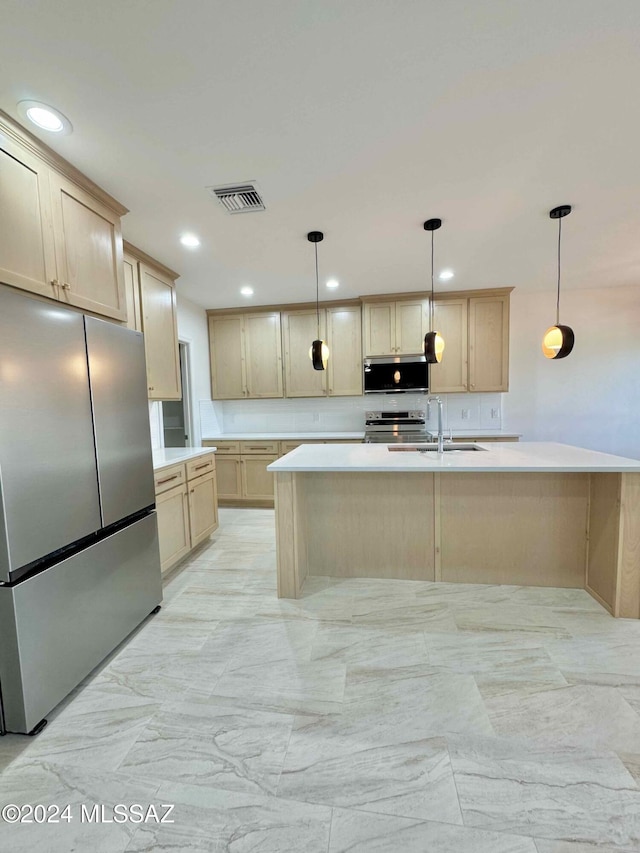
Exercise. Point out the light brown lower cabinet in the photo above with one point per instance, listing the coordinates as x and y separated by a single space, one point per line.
203 508
174 536
241 468
244 479
186 506
257 482
229 476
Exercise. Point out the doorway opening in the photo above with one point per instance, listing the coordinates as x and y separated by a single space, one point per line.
176 414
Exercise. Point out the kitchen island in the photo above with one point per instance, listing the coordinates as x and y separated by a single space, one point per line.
528 513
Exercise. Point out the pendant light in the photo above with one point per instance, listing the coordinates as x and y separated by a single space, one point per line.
318 351
558 340
433 341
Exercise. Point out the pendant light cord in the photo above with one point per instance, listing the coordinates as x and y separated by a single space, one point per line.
431 300
558 298
317 292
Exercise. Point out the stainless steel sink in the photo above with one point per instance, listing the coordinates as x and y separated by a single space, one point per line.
457 447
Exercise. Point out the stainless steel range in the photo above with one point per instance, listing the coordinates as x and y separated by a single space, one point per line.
395 427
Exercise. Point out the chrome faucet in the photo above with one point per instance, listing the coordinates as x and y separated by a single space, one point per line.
438 400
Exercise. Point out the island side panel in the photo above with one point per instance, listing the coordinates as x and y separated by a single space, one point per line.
370 525
604 538
525 528
291 548
627 602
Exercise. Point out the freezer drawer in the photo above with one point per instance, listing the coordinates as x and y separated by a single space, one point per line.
57 626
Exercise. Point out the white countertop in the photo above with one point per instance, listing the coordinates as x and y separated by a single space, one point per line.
338 436
485 433
499 456
285 436
165 456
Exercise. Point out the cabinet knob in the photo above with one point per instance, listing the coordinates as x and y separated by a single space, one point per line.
54 282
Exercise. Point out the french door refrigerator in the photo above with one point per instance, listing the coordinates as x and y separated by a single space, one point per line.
79 559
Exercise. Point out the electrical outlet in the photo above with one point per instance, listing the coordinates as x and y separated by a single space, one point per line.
466 414
495 414
316 417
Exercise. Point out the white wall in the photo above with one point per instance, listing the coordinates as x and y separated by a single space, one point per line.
155 422
592 397
193 329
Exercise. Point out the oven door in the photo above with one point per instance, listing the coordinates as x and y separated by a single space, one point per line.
396 375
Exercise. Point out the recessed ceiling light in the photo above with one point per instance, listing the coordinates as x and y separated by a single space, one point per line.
190 241
333 283
44 117
246 291
445 275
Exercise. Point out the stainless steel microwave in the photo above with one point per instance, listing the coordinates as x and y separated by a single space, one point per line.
399 374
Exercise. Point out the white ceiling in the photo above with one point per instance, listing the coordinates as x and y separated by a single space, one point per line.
360 118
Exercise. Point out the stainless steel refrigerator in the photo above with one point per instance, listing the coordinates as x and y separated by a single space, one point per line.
79 560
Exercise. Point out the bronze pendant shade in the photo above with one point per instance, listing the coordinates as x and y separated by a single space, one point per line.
433 341
558 340
318 351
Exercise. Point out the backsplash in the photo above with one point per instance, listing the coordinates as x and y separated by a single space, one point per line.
335 414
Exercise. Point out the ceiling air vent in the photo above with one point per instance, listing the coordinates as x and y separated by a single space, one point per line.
238 198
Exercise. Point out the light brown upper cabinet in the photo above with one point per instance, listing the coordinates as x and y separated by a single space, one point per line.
344 338
246 355
299 330
150 297
489 343
160 327
395 328
88 250
27 253
59 233
450 319
476 335
132 292
340 327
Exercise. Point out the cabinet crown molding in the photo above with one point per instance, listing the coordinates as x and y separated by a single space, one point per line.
17 133
139 255
359 300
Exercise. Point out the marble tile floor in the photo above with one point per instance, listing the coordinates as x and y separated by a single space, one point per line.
369 716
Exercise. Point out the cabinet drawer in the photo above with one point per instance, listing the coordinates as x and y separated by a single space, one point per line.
223 447
169 478
250 447
201 465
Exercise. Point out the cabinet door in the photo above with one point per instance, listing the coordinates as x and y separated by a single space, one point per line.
299 330
226 345
263 355
174 538
132 293
88 250
489 343
203 507
450 319
379 328
344 337
412 324
27 253
160 326
228 477
257 482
